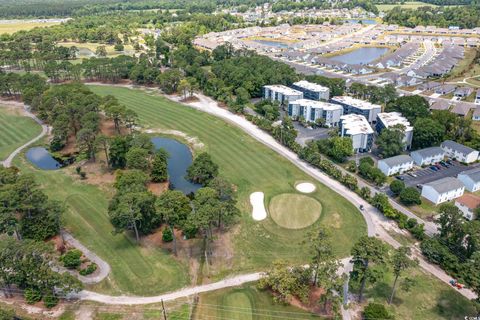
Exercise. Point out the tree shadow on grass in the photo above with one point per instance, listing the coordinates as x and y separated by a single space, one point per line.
451 305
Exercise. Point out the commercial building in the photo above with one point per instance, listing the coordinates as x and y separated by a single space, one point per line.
467 204
281 94
356 106
459 152
428 156
394 165
312 91
443 190
312 110
391 119
358 128
471 179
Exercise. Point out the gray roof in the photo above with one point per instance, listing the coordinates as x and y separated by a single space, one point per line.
445 184
429 152
457 147
473 174
397 160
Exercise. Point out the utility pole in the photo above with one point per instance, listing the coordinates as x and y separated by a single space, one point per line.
164 311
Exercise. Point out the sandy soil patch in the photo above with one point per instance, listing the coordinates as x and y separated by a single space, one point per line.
192 141
157 188
258 212
305 187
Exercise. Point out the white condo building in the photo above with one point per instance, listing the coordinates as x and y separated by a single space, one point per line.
459 152
358 128
312 90
356 106
281 93
394 165
312 110
443 190
391 119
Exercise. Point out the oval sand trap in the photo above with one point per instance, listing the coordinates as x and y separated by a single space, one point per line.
256 200
305 187
294 211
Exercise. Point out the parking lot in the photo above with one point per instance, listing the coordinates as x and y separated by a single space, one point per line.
307 134
426 175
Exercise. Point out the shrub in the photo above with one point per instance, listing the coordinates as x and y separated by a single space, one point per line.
71 259
397 186
410 196
89 269
32 295
167 235
376 311
50 301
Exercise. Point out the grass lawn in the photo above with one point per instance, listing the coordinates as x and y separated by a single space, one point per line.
406 5
294 211
90 46
428 299
466 67
251 167
245 303
15 130
18 25
425 209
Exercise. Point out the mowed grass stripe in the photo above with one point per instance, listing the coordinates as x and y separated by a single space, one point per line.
251 166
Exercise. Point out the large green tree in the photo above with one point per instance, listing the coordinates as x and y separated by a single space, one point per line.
390 141
411 107
203 169
426 133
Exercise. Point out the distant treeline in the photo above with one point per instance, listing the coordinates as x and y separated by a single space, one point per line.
435 2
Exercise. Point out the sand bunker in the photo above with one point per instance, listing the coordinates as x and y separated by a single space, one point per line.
305 187
256 200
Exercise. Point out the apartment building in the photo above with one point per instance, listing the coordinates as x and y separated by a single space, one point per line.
357 127
356 106
391 119
312 110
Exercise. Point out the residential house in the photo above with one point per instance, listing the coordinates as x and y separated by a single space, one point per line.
477 97
476 114
356 106
281 94
443 190
463 92
398 164
428 156
468 204
445 89
391 119
459 152
312 110
471 179
357 127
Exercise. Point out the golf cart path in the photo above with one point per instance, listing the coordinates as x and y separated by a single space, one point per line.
102 266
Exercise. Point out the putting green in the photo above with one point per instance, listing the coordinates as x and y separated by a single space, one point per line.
294 211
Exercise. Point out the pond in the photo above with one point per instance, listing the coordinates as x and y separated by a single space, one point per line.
42 159
277 44
85 52
361 55
363 21
178 162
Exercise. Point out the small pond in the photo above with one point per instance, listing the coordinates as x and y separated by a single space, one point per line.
277 44
363 21
85 52
42 159
178 163
361 55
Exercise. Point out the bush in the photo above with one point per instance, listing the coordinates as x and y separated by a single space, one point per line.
167 235
397 186
89 269
410 196
50 301
32 295
71 259
376 311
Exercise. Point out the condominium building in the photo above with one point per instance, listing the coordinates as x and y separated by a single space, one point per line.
459 152
281 93
428 156
394 165
356 106
312 91
357 127
443 190
391 119
312 110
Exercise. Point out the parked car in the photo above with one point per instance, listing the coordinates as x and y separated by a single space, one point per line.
438 166
401 178
444 164
419 186
434 168
412 174
450 162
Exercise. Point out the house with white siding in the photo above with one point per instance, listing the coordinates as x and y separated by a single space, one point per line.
428 156
398 164
467 204
443 190
471 179
459 152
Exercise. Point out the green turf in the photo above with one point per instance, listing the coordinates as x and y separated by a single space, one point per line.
428 299
294 211
251 167
245 303
406 5
15 130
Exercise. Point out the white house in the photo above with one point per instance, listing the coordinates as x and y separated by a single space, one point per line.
281 93
443 190
467 205
459 152
312 110
391 119
428 156
471 179
358 128
394 165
